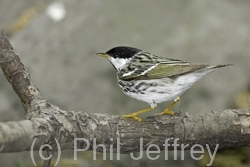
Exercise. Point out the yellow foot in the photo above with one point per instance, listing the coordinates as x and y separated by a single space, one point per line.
168 110
134 115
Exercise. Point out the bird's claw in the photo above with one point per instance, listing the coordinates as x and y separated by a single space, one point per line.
165 112
132 116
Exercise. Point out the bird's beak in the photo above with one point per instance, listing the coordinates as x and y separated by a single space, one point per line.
103 55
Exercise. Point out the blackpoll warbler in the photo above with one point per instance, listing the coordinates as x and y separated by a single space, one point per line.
153 79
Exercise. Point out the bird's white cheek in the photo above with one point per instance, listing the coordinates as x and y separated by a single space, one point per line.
119 63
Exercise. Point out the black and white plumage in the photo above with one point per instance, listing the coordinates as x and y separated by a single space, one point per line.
153 79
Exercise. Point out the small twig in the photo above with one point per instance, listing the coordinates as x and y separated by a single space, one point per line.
46 163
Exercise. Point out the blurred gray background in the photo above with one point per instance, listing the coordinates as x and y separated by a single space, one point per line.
59 53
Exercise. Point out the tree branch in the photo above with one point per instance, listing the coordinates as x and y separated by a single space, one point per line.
16 74
47 124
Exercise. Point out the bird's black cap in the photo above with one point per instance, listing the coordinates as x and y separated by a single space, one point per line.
123 52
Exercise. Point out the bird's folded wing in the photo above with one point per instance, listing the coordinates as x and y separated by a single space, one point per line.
161 70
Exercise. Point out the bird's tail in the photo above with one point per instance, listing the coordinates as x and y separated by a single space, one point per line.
219 66
210 68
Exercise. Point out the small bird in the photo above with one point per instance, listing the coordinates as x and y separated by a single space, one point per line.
153 79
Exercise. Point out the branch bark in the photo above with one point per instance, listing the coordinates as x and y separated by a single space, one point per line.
46 123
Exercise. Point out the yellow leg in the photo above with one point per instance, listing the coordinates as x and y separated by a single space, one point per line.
134 115
168 110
